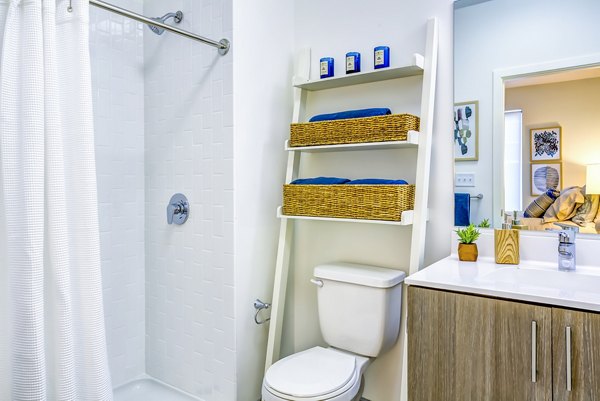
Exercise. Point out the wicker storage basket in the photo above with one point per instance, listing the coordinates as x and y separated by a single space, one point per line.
392 127
368 202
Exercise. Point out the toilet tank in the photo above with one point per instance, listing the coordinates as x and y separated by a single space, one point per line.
359 306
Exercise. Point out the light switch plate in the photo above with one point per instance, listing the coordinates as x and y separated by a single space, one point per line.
464 180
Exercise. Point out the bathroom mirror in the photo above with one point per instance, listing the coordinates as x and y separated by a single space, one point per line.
527 110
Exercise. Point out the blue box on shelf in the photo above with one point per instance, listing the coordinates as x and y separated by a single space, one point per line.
326 67
352 62
382 57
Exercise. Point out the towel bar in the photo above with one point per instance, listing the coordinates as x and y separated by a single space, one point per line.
478 196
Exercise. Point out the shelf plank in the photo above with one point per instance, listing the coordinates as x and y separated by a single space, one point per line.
413 69
411 142
407 219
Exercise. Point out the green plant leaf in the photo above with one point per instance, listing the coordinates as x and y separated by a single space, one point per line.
468 235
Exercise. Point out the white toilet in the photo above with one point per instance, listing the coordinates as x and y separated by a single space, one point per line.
359 312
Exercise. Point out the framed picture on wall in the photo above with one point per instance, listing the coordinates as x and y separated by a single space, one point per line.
545 176
466 131
545 144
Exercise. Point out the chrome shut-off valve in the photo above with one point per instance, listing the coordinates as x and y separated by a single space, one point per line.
178 209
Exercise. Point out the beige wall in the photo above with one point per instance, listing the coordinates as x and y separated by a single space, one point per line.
573 105
262 113
333 28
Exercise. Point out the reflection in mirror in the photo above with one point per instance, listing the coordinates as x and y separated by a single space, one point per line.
530 74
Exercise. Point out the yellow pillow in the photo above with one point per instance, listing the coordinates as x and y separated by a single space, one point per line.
597 219
588 211
565 206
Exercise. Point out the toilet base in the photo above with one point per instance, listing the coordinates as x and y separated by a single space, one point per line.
353 393
268 396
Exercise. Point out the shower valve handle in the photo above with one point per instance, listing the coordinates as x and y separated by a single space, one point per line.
172 210
178 209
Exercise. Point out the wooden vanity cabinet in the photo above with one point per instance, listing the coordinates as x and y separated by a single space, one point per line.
576 359
469 348
472 348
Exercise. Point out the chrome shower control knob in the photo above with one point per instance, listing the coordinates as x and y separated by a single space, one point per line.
178 209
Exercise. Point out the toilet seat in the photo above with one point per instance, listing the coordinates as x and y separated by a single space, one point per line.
315 374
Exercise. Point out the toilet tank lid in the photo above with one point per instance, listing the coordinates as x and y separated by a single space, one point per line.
369 276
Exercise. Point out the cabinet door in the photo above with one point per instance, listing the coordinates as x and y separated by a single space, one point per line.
469 348
576 361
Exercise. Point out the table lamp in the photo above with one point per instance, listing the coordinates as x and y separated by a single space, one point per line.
592 179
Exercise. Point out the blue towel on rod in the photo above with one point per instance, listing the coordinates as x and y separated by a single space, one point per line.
376 181
321 181
462 209
351 114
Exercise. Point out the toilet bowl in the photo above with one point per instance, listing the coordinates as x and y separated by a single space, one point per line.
359 316
314 375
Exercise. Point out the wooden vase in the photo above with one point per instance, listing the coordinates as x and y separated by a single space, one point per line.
467 252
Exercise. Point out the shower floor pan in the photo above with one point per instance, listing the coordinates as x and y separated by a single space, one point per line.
149 389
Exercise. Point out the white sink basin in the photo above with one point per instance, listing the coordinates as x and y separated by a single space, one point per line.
534 282
550 280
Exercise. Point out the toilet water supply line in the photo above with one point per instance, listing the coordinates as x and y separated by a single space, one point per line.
259 306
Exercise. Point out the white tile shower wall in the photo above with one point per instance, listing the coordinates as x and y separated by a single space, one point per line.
190 331
116 48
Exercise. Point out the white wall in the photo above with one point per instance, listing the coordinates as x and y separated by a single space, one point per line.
116 49
262 72
508 33
572 105
331 29
190 331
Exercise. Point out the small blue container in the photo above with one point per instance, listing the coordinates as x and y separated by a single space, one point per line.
352 62
382 57
326 67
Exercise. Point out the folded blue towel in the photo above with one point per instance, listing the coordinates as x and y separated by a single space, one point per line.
351 114
320 181
376 181
462 209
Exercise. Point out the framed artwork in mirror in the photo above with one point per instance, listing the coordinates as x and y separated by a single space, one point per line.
545 144
466 131
545 176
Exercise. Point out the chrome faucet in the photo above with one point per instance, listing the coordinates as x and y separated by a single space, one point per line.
566 248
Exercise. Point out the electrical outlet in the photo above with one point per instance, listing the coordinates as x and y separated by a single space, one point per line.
464 180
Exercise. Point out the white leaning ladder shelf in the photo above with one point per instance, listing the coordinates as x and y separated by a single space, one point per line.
422 141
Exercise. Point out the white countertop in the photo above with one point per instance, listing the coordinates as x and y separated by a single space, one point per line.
530 281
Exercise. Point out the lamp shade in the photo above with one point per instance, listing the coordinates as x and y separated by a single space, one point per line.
592 181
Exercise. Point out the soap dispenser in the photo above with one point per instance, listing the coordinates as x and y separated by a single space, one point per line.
566 248
506 243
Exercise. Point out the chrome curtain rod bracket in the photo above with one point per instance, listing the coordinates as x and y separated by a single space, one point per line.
223 45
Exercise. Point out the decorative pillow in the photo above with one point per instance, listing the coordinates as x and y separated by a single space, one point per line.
587 212
597 219
538 207
565 207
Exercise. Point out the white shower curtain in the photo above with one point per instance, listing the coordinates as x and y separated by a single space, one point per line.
52 339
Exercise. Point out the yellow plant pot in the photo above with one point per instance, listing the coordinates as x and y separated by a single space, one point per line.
467 252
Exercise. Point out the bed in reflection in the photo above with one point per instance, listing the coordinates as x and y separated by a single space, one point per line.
572 207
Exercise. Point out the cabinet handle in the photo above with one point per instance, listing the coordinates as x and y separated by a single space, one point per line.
533 351
568 343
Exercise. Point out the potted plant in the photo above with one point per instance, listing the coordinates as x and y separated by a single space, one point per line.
467 248
485 223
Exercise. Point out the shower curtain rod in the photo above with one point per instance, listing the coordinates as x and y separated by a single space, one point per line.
222 45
